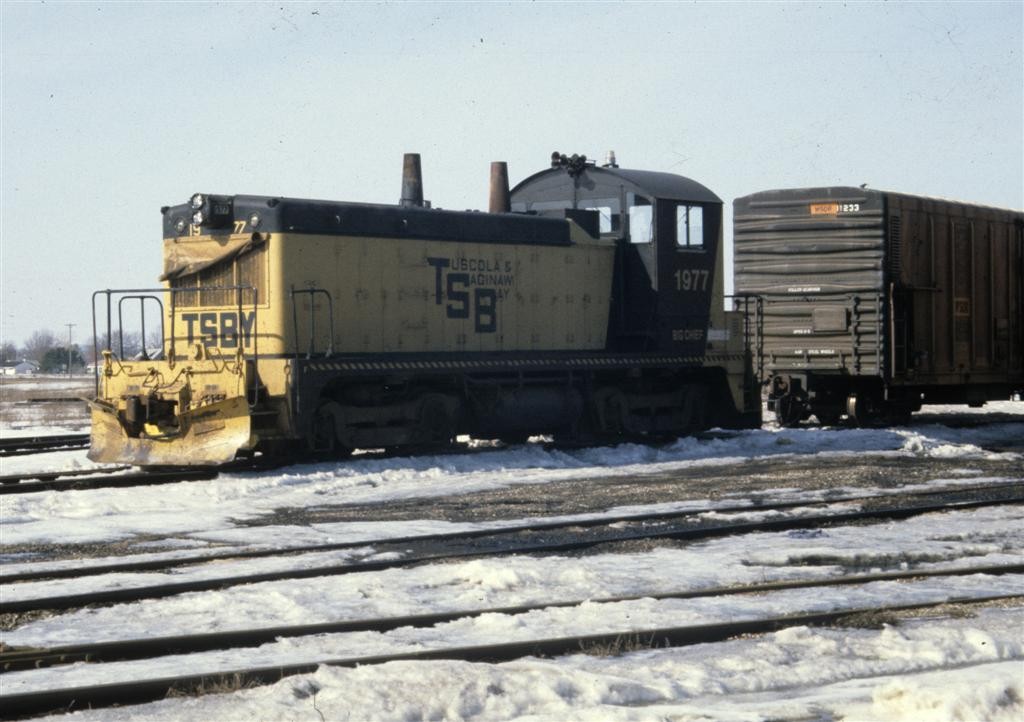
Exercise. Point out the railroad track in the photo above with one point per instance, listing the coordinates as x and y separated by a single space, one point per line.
34 658
526 539
82 569
139 691
79 479
22 445
58 480
10 479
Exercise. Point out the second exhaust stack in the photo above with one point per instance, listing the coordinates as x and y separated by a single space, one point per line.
412 181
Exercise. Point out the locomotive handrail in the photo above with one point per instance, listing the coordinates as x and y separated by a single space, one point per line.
133 293
142 321
755 335
312 293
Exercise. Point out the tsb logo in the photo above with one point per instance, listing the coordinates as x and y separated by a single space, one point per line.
220 329
472 291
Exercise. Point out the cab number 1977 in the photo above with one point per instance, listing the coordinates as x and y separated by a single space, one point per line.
691 279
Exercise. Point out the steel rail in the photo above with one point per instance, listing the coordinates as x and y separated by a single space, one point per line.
130 649
51 480
21 445
79 571
52 475
147 690
133 594
139 478
13 484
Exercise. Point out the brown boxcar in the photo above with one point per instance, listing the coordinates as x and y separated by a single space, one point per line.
875 303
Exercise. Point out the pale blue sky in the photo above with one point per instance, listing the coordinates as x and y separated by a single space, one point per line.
111 110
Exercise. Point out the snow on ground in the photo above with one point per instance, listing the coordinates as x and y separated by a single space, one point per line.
585 619
19 416
966 669
929 669
983 536
990 407
731 560
987 536
232 499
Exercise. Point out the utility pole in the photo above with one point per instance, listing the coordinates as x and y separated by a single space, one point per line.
69 325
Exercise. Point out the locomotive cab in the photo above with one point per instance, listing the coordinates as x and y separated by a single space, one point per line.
668 233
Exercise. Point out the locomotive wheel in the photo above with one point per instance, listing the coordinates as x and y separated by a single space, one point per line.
790 410
436 423
323 437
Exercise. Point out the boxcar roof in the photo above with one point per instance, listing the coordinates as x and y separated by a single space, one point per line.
850 194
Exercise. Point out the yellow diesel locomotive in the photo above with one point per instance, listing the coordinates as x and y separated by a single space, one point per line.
587 303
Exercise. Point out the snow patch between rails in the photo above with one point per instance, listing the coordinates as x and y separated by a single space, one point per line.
895 673
926 542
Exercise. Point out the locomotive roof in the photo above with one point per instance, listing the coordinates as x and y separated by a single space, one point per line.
366 219
653 184
340 218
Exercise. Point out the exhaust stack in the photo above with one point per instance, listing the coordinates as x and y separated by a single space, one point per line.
499 201
412 181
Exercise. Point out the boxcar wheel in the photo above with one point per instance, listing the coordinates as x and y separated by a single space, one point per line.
865 410
828 418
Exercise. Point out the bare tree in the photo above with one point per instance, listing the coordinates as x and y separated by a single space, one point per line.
154 341
8 352
101 342
38 344
131 342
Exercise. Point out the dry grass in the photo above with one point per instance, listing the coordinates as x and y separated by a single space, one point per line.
214 684
622 644
952 610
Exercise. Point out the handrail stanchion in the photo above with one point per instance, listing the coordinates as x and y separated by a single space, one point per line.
312 323
330 316
142 324
255 342
110 332
295 321
174 297
95 348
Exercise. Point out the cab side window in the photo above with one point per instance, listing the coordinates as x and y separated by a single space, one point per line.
641 220
689 226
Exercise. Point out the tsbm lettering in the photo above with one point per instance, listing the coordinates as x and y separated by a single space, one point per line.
219 329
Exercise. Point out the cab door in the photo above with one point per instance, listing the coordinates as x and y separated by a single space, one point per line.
687 236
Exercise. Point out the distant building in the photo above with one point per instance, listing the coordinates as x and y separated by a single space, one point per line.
20 368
